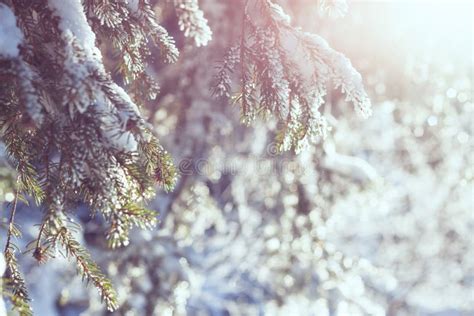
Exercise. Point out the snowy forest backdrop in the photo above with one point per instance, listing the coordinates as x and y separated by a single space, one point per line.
376 219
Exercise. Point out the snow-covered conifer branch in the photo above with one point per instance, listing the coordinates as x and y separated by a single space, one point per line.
192 22
286 72
74 76
72 133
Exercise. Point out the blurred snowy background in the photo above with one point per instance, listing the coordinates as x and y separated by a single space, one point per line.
376 220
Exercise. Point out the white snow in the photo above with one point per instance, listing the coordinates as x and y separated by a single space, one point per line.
192 22
353 167
124 95
121 140
112 126
278 14
10 35
133 5
73 19
314 62
332 64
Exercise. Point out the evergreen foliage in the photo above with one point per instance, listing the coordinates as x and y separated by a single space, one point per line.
72 126
72 133
284 72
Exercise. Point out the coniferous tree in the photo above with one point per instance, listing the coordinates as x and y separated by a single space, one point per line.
74 76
